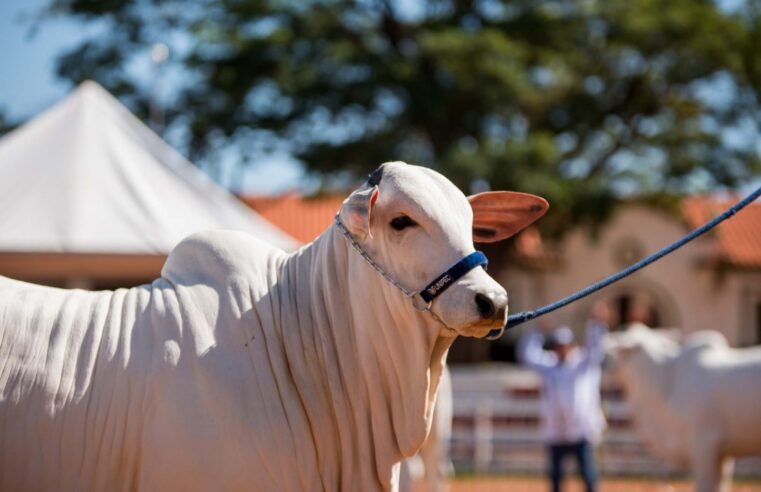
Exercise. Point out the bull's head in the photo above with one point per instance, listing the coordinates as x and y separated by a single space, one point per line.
627 350
416 224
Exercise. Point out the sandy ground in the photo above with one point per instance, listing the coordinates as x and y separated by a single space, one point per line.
535 484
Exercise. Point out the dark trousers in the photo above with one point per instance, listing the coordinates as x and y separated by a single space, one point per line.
582 452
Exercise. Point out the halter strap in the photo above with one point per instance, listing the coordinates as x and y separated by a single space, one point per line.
433 289
446 279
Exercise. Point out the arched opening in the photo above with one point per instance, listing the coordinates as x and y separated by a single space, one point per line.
637 300
634 306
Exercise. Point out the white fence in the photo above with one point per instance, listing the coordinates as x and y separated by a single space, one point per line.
496 427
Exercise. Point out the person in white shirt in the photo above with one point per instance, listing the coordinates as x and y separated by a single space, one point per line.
571 416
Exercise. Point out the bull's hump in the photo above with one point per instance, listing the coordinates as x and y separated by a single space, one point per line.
216 256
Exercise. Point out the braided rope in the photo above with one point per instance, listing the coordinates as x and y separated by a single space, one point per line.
522 317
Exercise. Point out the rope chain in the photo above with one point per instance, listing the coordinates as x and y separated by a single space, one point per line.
369 259
383 273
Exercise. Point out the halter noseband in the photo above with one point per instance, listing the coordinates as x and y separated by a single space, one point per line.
421 299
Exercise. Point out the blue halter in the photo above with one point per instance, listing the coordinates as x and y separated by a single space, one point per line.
455 272
421 300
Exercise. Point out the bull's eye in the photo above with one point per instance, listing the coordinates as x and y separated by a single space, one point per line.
402 222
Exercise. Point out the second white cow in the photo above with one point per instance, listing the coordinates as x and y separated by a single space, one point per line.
695 405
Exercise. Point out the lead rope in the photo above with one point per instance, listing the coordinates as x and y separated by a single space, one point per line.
522 317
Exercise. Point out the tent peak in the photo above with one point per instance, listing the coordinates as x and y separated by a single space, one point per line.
88 176
91 87
91 91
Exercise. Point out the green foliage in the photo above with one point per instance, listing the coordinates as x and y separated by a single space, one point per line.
6 124
576 100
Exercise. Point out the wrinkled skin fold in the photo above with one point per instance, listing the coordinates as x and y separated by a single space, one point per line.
221 374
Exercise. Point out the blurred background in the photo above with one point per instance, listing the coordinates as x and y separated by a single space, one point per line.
128 124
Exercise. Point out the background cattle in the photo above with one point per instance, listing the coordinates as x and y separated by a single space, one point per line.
696 405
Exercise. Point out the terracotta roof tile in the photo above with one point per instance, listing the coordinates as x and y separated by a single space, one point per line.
738 239
301 217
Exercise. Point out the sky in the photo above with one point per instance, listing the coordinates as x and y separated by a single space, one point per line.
27 81
28 84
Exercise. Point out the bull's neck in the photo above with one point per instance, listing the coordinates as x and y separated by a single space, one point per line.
366 364
654 381
649 384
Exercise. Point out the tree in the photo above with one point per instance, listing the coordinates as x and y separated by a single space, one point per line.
6 123
576 100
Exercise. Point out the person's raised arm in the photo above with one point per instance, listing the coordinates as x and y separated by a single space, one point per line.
532 355
597 328
596 331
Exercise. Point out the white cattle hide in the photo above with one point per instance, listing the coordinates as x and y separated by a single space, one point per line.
432 467
242 367
696 405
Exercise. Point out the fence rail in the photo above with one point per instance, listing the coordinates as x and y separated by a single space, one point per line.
495 427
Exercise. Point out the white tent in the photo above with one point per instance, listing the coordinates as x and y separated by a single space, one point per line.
86 177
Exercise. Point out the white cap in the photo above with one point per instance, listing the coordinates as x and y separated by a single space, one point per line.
562 336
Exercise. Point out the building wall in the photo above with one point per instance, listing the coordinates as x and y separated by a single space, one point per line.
686 291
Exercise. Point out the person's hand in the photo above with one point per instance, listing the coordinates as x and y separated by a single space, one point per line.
601 312
596 330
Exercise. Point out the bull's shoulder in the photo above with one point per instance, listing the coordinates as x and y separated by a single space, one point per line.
216 256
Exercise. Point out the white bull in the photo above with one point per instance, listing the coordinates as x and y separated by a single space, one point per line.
695 406
244 368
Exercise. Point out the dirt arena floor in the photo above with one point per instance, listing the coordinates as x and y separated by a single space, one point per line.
536 484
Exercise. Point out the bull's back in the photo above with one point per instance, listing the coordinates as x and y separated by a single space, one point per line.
41 330
159 387
55 417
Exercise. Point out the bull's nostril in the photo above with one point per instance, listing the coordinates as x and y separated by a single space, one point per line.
485 306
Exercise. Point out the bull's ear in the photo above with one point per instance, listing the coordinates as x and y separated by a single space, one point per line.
498 215
357 209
